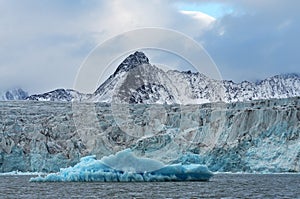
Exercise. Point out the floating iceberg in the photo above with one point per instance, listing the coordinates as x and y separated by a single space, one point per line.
126 167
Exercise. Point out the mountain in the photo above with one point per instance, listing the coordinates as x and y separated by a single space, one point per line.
279 86
63 95
137 81
14 94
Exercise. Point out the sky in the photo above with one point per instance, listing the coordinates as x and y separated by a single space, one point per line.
43 43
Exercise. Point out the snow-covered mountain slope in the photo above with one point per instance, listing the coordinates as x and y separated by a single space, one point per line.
63 95
14 94
279 86
200 88
137 81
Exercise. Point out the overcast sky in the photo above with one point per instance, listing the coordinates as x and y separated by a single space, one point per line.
44 42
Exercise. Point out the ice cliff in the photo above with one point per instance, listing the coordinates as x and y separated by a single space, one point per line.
256 136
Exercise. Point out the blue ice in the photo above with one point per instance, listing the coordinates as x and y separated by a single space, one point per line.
124 166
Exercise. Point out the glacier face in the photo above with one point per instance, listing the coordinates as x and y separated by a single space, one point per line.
256 136
137 81
126 167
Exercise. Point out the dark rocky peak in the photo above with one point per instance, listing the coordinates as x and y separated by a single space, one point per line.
132 61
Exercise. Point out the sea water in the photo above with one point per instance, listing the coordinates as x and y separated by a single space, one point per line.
220 186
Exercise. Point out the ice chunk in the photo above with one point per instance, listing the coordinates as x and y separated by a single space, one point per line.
126 167
126 161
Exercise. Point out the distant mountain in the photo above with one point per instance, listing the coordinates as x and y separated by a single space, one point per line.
137 81
63 95
14 94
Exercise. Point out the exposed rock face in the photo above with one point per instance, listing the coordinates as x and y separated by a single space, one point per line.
257 136
132 61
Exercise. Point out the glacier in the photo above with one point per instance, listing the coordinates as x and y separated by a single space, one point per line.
124 166
259 136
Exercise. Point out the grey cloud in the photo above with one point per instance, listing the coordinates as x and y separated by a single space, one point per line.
44 42
261 42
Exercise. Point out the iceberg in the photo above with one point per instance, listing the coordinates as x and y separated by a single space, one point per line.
124 166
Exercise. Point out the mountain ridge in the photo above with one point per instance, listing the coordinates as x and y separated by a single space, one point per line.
137 81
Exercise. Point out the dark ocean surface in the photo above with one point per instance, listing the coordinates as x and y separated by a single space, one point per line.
220 186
